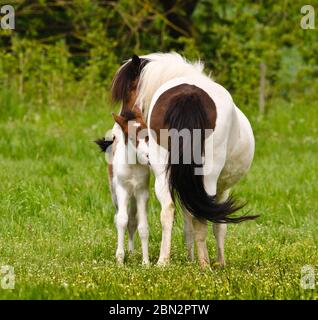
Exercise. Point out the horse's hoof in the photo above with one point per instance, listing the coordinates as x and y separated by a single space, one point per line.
218 265
204 264
162 263
190 257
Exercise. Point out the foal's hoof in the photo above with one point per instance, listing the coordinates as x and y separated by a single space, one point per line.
120 261
120 258
146 263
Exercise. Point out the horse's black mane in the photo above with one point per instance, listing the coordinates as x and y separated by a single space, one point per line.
123 79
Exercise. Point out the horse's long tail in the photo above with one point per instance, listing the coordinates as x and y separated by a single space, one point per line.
189 112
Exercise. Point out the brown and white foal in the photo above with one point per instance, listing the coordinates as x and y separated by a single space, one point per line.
129 179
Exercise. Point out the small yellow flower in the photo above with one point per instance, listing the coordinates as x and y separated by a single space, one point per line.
260 248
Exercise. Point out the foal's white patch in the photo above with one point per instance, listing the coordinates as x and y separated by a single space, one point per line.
136 124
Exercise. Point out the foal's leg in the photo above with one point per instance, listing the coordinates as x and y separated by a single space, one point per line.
121 220
166 217
132 223
200 233
219 230
189 234
143 230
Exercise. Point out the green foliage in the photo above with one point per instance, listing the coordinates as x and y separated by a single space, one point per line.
72 48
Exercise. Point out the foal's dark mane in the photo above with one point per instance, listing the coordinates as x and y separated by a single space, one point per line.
129 115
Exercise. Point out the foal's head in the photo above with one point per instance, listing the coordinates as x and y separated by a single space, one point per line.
135 133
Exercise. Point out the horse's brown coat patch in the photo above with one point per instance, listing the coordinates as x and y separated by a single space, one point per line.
170 97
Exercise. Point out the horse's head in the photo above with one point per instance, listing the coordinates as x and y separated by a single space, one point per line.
125 82
135 132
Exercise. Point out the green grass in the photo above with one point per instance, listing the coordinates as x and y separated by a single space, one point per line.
56 215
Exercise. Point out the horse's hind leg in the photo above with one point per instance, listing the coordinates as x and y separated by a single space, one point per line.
200 233
219 230
166 217
132 223
189 234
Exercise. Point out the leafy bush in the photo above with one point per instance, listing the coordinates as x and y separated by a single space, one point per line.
66 52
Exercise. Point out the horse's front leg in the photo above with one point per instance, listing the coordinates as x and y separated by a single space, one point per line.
166 217
200 233
219 231
143 229
121 221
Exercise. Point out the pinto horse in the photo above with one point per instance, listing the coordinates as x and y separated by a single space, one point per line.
175 94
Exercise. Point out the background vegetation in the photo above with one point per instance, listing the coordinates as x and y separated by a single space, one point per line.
63 47
56 216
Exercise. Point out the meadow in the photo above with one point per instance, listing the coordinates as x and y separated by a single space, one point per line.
57 220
